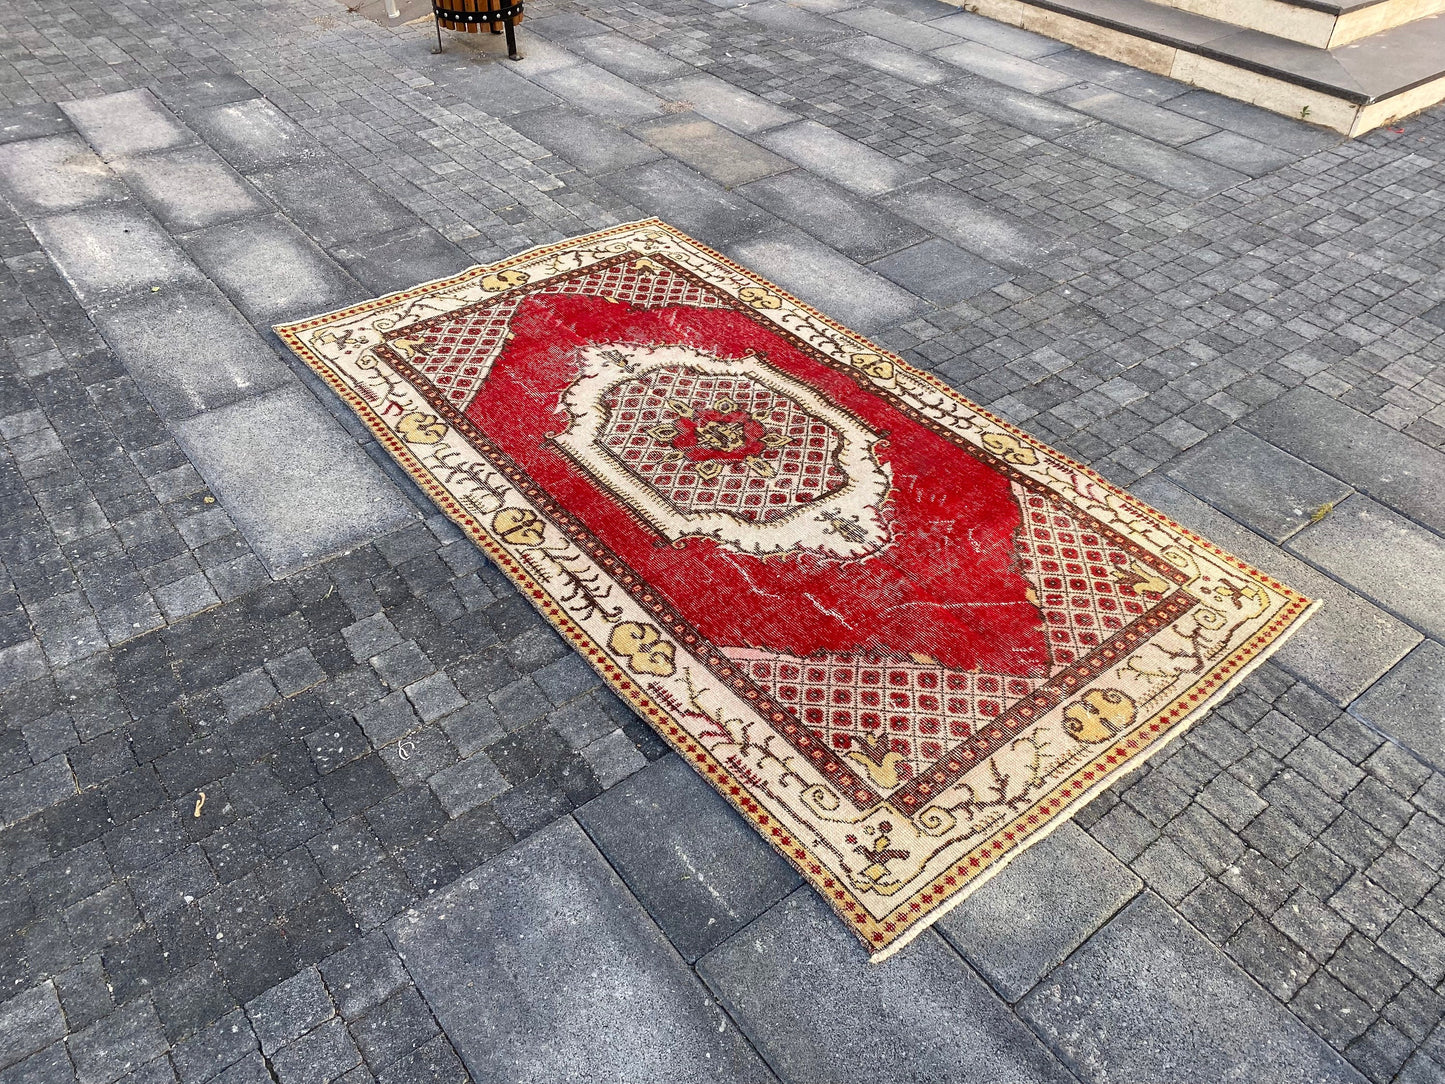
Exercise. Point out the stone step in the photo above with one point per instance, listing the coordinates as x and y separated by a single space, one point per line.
1325 24
1351 88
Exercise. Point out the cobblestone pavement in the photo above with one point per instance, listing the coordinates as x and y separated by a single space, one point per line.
428 835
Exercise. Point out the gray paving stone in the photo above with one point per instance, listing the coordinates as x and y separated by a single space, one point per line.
1026 112
1147 998
186 94
1144 158
30 1021
857 228
128 123
1393 468
592 145
595 90
1269 491
253 135
801 987
791 21
1003 68
189 350
944 274
731 106
829 282
1000 36
1408 703
612 758
59 173
1345 645
1135 82
401 259
895 60
689 201
190 188
505 92
289 1010
842 160
1240 152
712 150
116 1044
1151 121
628 58
113 249
1385 557
467 784
529 958
1268 128
916 36
332 205
270 270
290 478
50 1066
973 225
32 122
702 872
1041 907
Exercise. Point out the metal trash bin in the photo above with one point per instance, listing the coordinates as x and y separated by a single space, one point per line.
469 16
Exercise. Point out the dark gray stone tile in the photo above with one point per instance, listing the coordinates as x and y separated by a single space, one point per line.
1003 67
566 26
894 60
29 1022
700 870
628 58
802 988
725 156
1026 112
295 484
270 270
254 135
944 274
1242 153
1393 468
915 36
999 36
189 93
689 201
402 259
842 160
1395 563
791 22
31 122
113 249
190 188
501 93
1272 129
829 282
1408 703
1044 904
1135 82
189 350
859 229
1269 491
1147 998
1144 158
333 205
128 123
592 145
971 224
58 173
728 105
1345 645
595 90
534 956
1151 121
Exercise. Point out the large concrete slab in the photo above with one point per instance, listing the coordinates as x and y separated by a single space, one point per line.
541 967
1026 112
1044 904
711 149
189 350
1345 645
802 988
973 225
1408 703
843 161
630 59
56 173
270 270
943 273
1152 121
1395 563
592 145
1393 468
1152 161
295 484
829 282
190 188
1003 67
113 249
332 205
598 91
688 200
32 121
1148 999
700 870
402 258
254 135
131 122
1269 491
858 228
740 110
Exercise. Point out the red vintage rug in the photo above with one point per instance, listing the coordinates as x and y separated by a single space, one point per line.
900 636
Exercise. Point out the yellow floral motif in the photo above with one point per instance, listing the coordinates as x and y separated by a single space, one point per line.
504 279
1099 715
519 526
875 365
418 428
643 648
759 298
1010 449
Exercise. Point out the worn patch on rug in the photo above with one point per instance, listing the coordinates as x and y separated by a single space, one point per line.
899 635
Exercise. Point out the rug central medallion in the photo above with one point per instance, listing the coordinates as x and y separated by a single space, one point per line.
903 638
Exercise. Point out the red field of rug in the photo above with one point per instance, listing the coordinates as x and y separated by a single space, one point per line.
903 638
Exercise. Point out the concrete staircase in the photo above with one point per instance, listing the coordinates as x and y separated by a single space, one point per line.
1351 66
